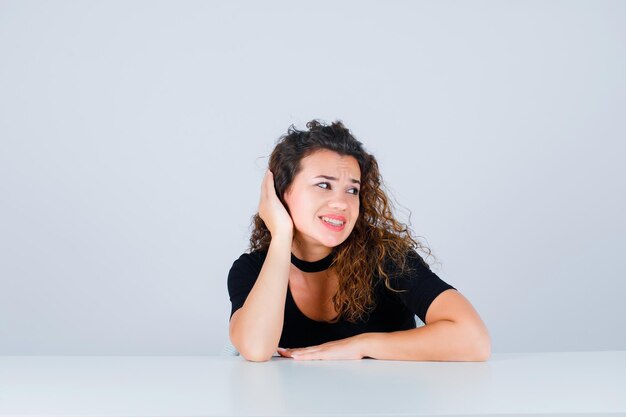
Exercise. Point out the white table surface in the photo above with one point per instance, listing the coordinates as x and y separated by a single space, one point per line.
585 383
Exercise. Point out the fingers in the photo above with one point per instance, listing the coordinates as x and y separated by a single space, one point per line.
266 179
289 353
268 184
266 191
301 353
271 209
336 350
310 355
285 353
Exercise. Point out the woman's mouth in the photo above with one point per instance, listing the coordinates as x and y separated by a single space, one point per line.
333 224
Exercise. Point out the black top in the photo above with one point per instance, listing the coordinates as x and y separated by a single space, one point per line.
393 311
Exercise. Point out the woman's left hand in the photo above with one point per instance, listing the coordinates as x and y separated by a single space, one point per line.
348 348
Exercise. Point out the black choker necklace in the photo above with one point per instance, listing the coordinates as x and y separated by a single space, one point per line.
317 266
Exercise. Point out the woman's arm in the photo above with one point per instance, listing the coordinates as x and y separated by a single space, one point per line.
256 327
453 332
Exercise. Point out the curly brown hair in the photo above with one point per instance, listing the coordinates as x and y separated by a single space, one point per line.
378 244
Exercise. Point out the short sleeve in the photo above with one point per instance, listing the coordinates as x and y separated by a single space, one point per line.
421 284
241 278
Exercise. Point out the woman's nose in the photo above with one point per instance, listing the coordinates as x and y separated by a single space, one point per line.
338 202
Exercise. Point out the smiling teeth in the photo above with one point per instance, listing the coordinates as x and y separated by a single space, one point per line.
332 221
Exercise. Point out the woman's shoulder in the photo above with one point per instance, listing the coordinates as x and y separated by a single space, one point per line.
246 267
409 261
250 260
402 270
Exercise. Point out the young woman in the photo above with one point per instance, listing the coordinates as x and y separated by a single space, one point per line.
331 274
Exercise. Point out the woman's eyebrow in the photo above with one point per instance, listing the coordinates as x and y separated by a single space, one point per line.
335 179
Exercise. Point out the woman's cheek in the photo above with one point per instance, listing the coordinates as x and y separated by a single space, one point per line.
300 214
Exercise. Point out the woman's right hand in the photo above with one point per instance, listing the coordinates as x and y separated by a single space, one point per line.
271 210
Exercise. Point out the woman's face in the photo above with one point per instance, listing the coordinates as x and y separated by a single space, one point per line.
323 198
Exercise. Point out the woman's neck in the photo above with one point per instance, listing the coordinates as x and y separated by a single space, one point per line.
309 253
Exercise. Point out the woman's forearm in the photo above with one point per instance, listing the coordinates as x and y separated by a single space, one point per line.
439 341
259 322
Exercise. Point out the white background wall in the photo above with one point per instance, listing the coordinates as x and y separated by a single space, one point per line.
134 137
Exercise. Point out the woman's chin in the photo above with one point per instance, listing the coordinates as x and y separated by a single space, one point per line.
324 240
332 241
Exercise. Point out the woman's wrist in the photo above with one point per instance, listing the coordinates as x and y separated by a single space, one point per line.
368 343
282 238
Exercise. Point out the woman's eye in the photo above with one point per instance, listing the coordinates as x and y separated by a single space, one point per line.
326 186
